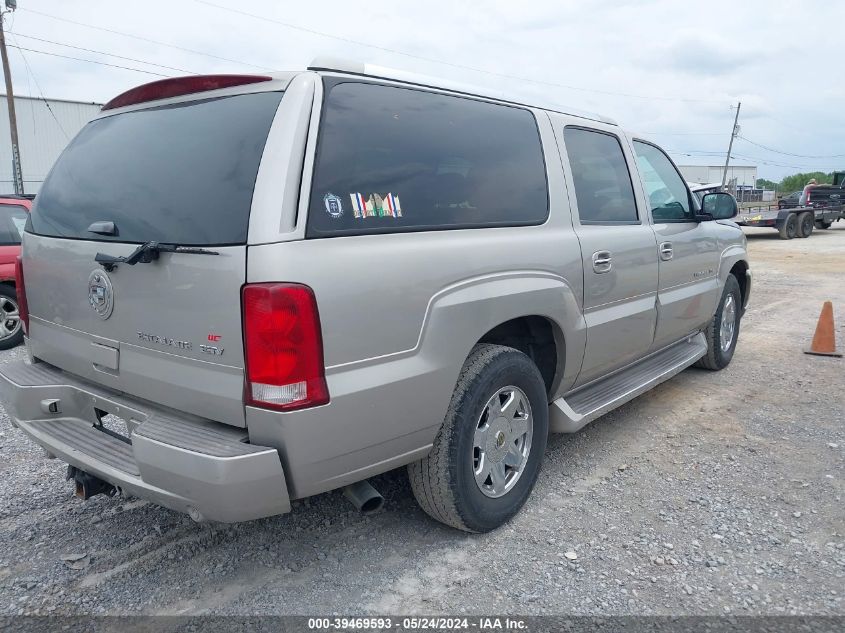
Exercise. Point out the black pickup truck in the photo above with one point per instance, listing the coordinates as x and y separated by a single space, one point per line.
832 195
825 205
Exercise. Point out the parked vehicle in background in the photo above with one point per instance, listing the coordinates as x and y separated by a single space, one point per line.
792 222
828 196
702 190
790 201
14 211
359 270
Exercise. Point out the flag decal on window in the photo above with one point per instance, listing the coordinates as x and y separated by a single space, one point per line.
375 206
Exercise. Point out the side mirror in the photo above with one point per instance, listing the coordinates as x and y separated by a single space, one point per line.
719 205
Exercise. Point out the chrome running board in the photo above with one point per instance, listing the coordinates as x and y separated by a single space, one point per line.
580 407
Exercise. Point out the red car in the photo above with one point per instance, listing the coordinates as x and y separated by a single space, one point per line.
14 211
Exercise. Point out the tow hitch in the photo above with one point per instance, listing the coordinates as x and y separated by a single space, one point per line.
87 485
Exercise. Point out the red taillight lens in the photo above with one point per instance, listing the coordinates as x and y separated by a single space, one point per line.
20 289
284 347
178 86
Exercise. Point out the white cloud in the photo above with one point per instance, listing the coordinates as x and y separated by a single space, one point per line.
717 52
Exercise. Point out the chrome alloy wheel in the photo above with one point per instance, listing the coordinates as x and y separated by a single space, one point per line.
502 441
11 318
728 327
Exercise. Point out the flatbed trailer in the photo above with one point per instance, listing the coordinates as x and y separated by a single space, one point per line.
789 223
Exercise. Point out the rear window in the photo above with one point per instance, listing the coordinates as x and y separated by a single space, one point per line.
12 221
397 159
181 173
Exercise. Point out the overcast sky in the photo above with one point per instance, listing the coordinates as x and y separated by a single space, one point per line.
679 66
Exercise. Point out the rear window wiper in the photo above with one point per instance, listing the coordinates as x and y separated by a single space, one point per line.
146 253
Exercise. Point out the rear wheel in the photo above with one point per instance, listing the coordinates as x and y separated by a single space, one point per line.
821 224
789 228
487 455
11 330
806 223
723 330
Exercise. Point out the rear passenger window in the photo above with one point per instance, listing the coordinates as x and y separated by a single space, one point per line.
600 176
396 159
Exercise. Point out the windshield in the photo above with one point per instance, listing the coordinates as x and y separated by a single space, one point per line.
181 173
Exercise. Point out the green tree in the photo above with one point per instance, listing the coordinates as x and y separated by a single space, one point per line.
762 183
796 182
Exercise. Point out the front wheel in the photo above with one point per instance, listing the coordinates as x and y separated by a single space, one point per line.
11 329
487 455
723 330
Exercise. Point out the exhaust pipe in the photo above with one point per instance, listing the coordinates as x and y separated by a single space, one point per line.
87 485
364 497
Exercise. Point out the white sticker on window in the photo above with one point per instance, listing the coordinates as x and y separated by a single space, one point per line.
334 207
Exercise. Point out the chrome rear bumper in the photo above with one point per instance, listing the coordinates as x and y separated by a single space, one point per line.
204 468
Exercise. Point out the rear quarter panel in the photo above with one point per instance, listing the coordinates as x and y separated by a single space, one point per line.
400 314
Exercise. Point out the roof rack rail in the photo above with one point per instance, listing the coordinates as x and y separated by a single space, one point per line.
352 67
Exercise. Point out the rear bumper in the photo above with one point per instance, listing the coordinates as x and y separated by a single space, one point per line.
186 464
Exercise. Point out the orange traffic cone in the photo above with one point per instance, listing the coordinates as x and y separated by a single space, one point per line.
824 341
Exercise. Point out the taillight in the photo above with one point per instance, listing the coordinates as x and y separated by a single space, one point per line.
20 289
284 347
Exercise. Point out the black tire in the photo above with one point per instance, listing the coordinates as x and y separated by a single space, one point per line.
9 337
789 228
444 482
821 224
806 224
716 358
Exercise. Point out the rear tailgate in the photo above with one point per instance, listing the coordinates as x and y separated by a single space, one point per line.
168 330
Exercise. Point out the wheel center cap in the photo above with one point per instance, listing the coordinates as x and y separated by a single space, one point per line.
497 440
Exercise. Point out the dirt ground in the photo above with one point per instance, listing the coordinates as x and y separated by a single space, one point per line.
715 493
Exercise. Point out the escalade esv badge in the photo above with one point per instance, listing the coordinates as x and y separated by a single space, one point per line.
100 293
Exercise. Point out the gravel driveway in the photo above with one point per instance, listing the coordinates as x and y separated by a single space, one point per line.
715 493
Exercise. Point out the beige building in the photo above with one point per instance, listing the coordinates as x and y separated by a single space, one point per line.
746 175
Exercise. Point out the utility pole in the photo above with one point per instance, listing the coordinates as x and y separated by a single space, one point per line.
734 132
17 174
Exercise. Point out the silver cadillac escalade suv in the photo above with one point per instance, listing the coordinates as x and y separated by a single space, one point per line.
243 290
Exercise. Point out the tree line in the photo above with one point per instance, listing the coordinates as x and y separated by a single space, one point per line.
795 182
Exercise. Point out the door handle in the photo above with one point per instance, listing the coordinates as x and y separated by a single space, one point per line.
666 251
602 262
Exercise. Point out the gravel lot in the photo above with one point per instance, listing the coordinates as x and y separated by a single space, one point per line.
715 493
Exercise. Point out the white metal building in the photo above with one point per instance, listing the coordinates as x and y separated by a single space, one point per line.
42 136
746 175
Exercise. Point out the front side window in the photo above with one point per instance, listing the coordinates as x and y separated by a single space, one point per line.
600 176
12 221
664 186
397 159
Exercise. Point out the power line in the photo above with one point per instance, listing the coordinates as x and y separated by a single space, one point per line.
685 133
90 61
340 38
777 151
30 73
766 161
91 50
142 39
